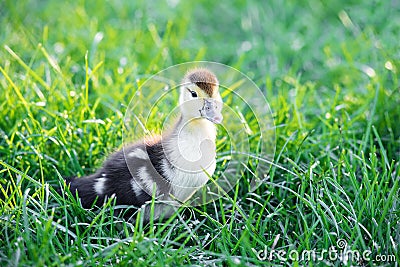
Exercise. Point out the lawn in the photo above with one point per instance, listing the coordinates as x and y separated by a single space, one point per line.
329 71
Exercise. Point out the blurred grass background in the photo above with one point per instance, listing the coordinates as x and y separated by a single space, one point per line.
328 69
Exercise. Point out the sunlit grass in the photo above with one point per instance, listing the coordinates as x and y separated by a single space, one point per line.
329 72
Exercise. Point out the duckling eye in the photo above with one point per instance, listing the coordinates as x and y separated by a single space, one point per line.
194 94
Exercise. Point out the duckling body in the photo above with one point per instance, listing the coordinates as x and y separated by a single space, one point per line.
175 165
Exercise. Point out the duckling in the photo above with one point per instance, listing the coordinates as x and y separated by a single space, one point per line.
175 164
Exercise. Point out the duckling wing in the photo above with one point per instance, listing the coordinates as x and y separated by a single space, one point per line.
130 175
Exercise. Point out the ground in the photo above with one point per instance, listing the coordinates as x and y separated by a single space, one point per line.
329 71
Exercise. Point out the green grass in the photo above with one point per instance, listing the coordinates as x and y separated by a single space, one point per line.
328 69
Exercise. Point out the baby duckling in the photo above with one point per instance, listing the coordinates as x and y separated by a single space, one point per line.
174 165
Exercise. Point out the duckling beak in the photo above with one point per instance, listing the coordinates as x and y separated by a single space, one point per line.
211 110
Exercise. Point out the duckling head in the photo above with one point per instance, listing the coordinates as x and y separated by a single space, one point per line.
199 96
